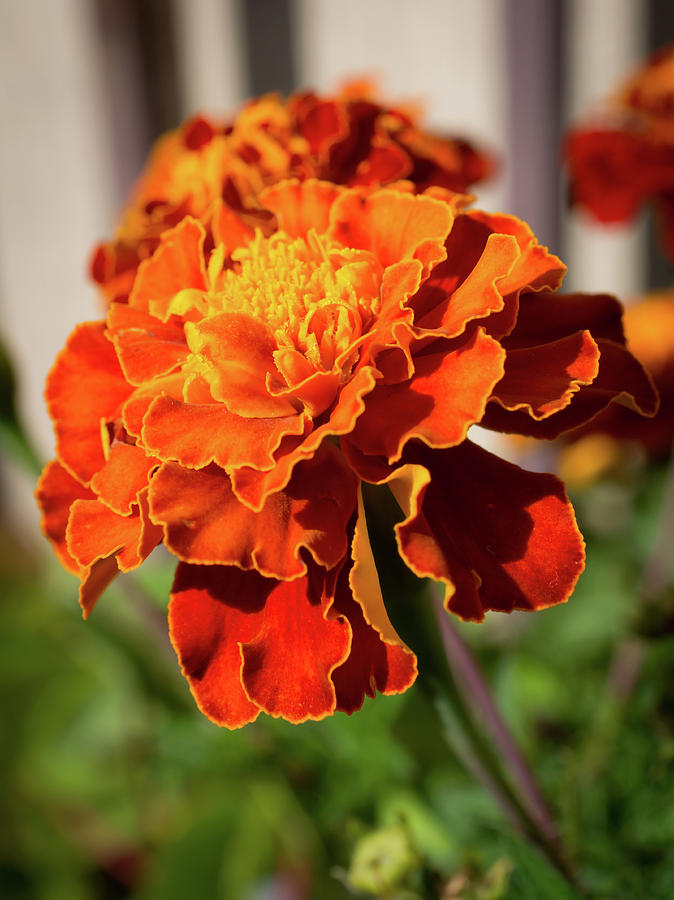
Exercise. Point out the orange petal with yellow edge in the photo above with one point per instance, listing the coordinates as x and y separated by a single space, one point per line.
233 352
301 205
56 492
447 394
204 523
392 225
85 389
198 434
125 473
176 265
146 347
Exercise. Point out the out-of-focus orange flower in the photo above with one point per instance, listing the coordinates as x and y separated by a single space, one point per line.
233 407
626 158
649 328
349 139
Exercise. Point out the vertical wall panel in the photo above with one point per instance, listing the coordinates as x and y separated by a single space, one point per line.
448 54
605 39
55 182
210 51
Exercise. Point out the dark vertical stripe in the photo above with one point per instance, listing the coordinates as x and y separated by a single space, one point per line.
158 52
660 33
534 42
268 27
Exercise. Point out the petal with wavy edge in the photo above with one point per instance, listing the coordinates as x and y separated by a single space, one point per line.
204 523
228 229
499 537
96 532
85 388
393 225
546 317
621 379
443 307
287 667
253 487
196 435
301 205
213 609
447 394
379 660
234 353
176 265
542 380
56 492
125 473
146 347
137 405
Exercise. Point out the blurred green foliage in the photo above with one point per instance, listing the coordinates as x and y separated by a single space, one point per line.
113 785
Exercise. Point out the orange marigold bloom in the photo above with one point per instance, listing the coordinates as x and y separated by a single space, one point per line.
627 157
233 407
349 139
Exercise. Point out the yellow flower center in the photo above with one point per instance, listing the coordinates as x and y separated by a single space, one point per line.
315 295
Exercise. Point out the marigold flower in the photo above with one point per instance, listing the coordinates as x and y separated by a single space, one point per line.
233 407
348 139
626 158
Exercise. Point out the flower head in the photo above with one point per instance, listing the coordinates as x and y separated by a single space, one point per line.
626 158
257 376
348 139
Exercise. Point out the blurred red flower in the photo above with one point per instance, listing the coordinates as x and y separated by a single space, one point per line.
255 378
626 157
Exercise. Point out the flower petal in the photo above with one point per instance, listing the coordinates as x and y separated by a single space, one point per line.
621 379
146 347
235 354
198 434
56 492
301 205
287 667
214 609
542 380
176 265
125 473
393 225
205 523
447 394
85 389
379 660
498 537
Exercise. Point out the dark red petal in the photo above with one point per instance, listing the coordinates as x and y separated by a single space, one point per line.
214 609
499 537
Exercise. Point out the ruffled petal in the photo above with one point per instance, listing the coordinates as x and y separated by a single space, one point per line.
301 205
234 353
393 225
146 347
448 394
56 492
544 317
204 522
125 473
176 265
499 537
253 487
213 610
542 380
85 390
621 379
196 435
379 660
287 667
